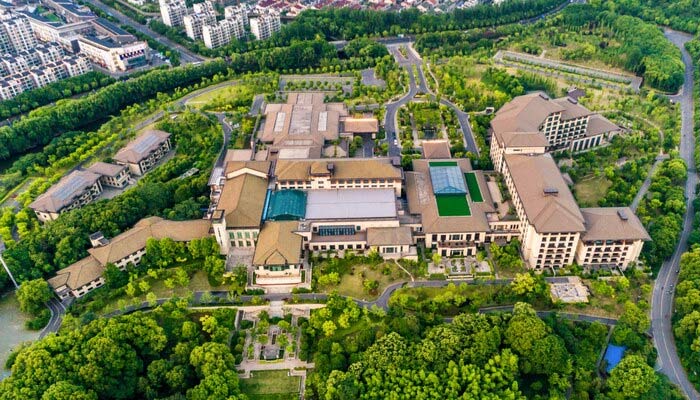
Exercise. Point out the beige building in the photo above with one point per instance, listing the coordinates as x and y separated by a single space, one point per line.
551 222
127 248
73 191
348 173
222 32
565 124
454 208
194 23
614 237
300 128
278 258
265 23
111 174
173 12
114 56
144 152
237 215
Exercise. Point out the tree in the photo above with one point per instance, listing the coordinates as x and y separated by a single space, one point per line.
523 284
33 295
64 390
635 318
114 277
632 378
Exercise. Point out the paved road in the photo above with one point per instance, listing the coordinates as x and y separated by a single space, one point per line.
647 182
57 310
662 297
410 62
186 56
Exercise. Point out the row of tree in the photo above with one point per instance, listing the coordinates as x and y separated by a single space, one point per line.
62 89
43 124
642 47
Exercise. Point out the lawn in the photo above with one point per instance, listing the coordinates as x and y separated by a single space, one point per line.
352 284
453 205
198 282
271 385
589 191
473 187
222 94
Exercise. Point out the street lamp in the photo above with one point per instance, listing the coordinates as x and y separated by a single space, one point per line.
2 260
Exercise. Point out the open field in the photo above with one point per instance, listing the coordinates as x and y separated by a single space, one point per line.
271 385
352 284
589 191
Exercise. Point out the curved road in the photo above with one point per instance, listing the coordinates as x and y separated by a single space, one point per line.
662 297
390 121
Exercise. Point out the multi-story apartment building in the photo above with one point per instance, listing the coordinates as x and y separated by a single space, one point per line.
195 22
203 14
127 248
111 174
265 23
221 33
114 56
17 34
144 152
239 10
9 88
76 65
73 191
173 12
564 123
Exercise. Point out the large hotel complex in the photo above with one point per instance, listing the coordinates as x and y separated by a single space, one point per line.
293 195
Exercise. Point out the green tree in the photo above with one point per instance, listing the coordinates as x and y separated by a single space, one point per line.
33 295
632 378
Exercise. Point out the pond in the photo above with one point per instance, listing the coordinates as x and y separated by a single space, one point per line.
12 331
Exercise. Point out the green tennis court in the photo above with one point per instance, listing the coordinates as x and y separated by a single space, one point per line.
453 206
473 187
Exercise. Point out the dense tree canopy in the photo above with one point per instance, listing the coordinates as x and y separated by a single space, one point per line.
137 356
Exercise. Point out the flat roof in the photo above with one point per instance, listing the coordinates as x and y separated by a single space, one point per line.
350 204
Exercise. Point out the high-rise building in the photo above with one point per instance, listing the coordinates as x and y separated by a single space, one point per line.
231 12
223 32
203 14
17 34
195 22
173 12
265 23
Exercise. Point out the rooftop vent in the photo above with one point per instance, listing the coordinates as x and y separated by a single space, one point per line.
572 100
330 166
551 191
622 214
544 95
97 239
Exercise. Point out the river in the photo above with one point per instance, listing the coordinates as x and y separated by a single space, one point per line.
12 331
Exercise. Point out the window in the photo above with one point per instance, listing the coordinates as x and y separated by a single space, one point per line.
239 235
455 237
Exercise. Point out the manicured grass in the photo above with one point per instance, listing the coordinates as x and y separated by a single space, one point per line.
271 385
221 93
473 187
453 206
352 285
589 191
443 163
